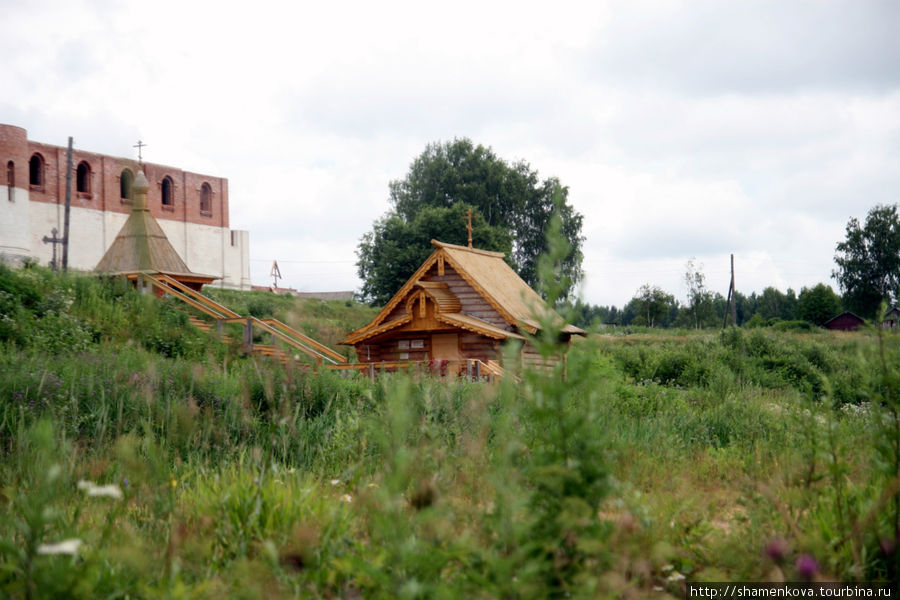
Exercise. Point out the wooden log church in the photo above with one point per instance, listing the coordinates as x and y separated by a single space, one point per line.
460 306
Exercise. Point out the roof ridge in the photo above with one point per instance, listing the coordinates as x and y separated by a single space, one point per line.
439 244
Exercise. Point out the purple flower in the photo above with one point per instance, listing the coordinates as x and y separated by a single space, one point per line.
777 550
807 566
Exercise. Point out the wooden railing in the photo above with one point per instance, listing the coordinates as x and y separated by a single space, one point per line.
250 322
203 307
305 339
473 369
207 301
222 314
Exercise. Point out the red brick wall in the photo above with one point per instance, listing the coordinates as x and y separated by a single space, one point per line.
105 184
14 147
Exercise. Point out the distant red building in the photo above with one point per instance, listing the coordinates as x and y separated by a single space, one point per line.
846 321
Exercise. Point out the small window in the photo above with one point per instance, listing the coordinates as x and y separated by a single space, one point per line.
83 178
36 171
234 238
126 180
10 179
206 199
168 193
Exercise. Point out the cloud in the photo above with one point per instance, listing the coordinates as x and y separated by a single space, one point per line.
682 128
749 46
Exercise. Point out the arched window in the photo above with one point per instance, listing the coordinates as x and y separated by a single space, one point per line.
36 171
83 178
168 192
126 179
206 199
10 179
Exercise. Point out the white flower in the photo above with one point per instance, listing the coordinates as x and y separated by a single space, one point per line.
63 547
335 482
347 498
675 577
107 491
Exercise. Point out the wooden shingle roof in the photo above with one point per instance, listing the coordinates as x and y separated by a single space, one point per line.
489 275
502 287
141 245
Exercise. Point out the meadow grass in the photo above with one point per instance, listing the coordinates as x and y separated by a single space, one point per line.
162 463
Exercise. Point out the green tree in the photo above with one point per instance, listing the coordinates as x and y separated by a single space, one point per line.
509 200
588 315
395 248
700 299
775 304
818 304
653 304
868 261
745 305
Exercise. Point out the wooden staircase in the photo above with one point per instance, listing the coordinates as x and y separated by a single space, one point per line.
206 327
223 315
199 323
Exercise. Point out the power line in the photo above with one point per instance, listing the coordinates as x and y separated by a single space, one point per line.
305 261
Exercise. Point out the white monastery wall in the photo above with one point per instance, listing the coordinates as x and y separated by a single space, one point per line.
15 230
192 208
205 249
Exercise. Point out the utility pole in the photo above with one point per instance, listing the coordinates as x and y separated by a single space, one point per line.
65 252
275 274
732 301
733 295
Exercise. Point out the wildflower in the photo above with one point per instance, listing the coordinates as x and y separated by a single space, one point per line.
64 547
777 550
807 566
347 498
99 491
173 483
675 577
335 482
108 491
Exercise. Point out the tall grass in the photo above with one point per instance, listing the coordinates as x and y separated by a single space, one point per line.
636 463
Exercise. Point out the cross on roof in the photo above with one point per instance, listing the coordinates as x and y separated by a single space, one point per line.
140 145
468 218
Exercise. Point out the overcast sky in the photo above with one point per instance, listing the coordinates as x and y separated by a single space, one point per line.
682 129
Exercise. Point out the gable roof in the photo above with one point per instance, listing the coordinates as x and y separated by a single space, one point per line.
141 244
488 274
846 316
